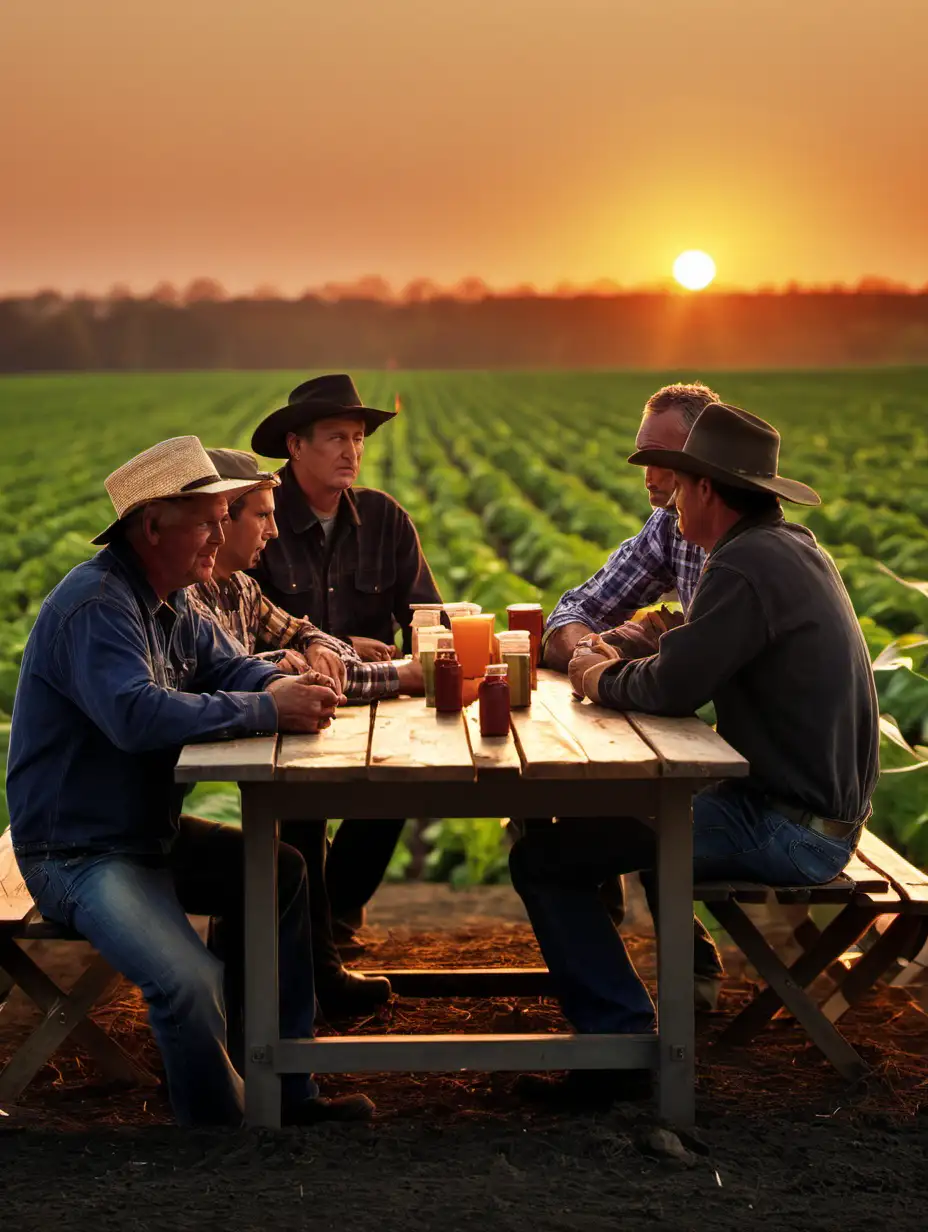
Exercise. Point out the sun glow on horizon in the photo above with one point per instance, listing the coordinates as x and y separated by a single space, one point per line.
694 269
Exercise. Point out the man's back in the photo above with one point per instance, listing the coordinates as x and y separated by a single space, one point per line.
809 692
772 639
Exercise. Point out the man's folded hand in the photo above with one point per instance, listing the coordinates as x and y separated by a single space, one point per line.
589 652
303 706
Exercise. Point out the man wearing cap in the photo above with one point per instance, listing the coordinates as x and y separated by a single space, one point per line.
118 673
348 559
772 639
235 601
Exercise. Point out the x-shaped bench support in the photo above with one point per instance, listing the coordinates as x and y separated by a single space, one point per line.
65 1015
786 985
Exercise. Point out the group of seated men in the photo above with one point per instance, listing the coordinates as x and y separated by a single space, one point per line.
228 601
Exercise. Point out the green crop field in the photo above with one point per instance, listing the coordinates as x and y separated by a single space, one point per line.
519 487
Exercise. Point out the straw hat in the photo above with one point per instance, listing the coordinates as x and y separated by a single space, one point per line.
173 468
734 447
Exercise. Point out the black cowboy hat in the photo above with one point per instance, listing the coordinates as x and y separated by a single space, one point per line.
732 446
320 398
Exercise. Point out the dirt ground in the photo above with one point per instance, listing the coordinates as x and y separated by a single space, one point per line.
784 1143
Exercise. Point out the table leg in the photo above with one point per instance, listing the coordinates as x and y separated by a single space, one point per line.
262 1018
675 990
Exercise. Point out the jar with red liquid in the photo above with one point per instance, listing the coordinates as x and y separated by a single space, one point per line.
493 700
449 678
531 617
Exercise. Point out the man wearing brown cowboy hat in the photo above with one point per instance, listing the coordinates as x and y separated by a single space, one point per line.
118 673
771 638
235 601
348 559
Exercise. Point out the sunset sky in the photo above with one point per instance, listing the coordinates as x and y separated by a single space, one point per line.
292 142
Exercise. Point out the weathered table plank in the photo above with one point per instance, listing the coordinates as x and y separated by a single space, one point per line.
409 741
613 748
249 760
688 748
340 752
493 755
546 747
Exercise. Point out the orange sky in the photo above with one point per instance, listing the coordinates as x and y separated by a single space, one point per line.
295 141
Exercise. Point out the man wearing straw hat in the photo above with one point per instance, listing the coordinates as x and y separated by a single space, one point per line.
118 673
772 639
235 601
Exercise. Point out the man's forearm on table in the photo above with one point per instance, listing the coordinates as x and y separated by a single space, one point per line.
368 681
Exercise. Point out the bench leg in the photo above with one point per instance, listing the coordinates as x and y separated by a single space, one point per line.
675 1013
840 933
65 1015
786 987
905 936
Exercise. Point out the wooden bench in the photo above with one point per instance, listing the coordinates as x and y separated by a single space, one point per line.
64 1012
877 882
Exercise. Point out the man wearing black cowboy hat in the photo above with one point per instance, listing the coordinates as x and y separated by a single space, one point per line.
349 560
772 639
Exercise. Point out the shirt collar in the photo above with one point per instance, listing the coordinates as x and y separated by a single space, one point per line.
132 566
298 510
774 518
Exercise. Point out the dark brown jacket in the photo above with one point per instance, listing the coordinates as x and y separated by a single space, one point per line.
358 583
772 639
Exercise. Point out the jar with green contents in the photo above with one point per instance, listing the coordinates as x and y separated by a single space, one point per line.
427 646
515 650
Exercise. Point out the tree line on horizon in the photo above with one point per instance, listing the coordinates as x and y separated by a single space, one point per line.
875 323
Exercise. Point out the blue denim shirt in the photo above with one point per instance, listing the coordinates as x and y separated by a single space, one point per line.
113 683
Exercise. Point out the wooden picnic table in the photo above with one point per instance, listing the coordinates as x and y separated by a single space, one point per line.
397 758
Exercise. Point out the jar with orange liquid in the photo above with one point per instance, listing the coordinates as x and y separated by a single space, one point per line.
473 641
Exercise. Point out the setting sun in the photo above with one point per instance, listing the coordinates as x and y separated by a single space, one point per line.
694 269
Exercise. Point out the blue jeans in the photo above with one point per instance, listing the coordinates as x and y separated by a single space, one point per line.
558 871
133 910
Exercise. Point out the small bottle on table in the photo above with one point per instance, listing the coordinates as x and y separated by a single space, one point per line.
493 700
449 679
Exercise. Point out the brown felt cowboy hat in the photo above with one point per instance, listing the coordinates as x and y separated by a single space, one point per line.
320 398
732 446
171 469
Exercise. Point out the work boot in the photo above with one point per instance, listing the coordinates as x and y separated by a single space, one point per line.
344 932
585 1090
706 993
320 1108
348 994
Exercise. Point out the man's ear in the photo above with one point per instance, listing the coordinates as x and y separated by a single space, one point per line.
150 528
293 444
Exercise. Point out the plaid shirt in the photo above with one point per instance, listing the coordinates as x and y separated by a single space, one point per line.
657 560
239 607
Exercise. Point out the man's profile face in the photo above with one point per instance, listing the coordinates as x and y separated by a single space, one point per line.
188 534
247 534
691 498
331 456
664 430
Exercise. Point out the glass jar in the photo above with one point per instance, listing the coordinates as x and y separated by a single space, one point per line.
515 650
493 700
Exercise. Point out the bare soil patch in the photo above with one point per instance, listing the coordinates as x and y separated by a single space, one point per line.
787 1143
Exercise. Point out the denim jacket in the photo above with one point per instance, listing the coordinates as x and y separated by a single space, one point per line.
113 683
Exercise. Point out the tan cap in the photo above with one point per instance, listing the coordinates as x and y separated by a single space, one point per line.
173 468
